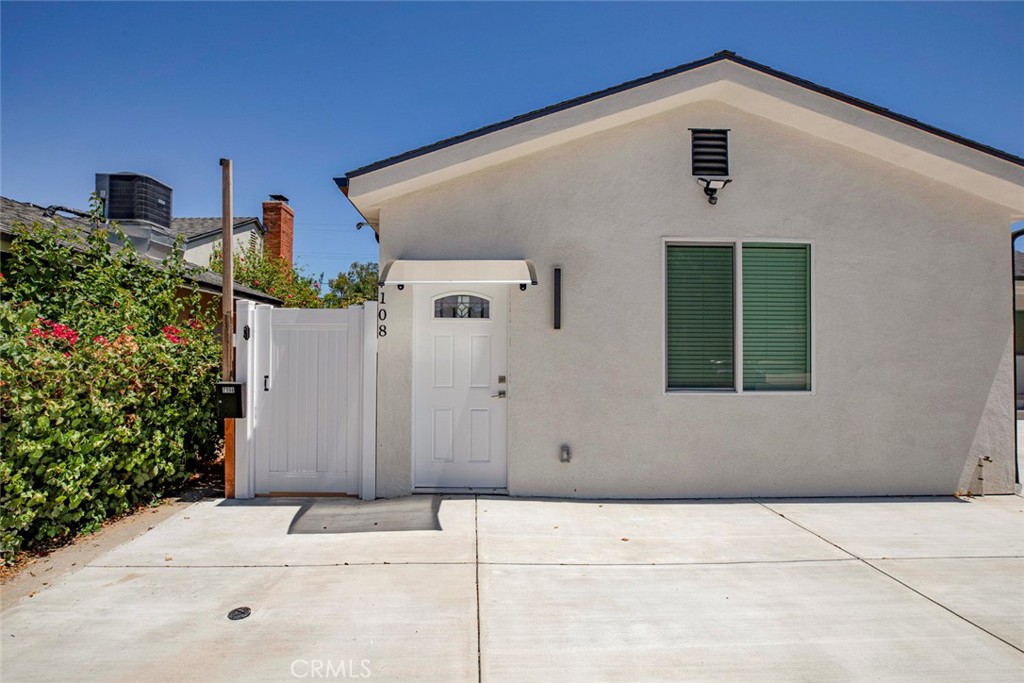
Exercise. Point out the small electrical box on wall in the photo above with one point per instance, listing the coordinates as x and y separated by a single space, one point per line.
230 399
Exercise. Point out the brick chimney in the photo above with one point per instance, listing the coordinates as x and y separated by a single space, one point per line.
279 220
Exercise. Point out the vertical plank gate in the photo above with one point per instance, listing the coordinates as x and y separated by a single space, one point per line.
310 385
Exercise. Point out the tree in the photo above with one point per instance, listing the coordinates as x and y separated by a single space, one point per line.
359 284
271 275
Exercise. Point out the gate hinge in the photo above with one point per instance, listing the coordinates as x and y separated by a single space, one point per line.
245 333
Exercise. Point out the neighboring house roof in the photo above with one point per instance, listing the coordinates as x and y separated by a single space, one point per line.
726 77
1018 265
12 211
195 229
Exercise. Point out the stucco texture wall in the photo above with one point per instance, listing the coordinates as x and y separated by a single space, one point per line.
912 319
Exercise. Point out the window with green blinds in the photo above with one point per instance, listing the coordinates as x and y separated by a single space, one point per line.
700 325
776 317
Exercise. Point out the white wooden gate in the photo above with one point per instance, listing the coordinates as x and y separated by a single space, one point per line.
310 384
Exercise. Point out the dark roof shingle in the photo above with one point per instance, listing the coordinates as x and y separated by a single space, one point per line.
12 212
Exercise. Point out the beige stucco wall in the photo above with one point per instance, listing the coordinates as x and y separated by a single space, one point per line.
912 319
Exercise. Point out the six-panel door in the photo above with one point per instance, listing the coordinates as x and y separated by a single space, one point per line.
460 354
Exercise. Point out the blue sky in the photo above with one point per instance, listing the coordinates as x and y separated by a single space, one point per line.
297 93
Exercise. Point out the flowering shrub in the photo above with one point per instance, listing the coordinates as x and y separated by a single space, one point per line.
106 397
272 275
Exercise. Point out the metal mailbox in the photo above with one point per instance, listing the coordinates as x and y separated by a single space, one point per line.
230 399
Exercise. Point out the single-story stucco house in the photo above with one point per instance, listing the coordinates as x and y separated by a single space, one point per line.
718 280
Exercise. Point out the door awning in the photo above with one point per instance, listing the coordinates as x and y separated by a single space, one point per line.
402 272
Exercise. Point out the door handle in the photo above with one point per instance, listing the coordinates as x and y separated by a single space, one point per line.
500 394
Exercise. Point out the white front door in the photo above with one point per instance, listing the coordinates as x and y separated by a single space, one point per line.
460 368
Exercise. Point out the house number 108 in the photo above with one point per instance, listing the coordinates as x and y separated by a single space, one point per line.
382 315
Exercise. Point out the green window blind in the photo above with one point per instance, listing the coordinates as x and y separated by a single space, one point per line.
700 317
776 317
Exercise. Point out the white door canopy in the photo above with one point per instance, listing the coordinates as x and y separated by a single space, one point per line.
407 272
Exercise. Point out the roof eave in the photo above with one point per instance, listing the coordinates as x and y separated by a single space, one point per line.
388 181
372 218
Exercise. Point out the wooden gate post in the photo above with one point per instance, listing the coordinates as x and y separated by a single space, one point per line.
227 329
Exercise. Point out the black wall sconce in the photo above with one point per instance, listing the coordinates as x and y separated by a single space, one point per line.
558 298
712 186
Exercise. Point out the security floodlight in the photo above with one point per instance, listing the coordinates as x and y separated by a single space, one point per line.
712 186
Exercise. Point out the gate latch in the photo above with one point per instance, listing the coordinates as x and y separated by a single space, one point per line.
245 333
266 382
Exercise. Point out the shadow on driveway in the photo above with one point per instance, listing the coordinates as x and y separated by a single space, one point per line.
353 516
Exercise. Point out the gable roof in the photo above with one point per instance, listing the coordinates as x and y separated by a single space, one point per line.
13 211
682 68
373 183
197 228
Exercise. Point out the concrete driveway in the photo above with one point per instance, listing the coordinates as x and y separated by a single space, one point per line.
499 589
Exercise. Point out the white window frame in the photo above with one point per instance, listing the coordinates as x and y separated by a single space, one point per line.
737 255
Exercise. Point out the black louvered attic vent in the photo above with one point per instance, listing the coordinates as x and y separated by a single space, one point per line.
710 152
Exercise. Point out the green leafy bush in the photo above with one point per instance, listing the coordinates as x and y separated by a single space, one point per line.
272 275
107 365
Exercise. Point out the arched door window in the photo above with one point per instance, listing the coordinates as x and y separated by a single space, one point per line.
462 306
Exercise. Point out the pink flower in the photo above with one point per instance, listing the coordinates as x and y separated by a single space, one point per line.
100 339
173 334
56 331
